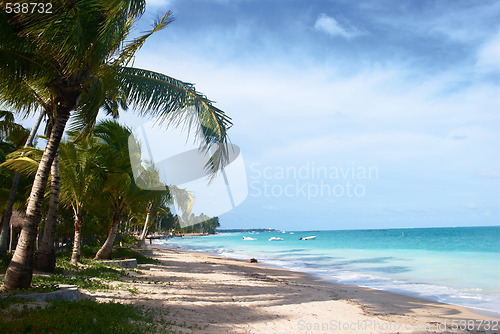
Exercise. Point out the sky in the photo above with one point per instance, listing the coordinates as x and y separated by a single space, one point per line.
348 114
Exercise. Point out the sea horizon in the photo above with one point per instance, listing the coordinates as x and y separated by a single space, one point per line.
421 262
223 230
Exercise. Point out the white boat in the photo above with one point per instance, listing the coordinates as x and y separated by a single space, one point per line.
308 238
275 239
248 238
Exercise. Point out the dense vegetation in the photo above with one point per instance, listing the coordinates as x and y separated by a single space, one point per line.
68 67
85 316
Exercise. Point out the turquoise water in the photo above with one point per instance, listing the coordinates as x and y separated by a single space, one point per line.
453 265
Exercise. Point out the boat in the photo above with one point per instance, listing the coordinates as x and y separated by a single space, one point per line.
249 238
308 238
275 239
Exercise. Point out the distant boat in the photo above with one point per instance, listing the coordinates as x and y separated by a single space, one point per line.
283 232
308 238
292 233
248 238
275 239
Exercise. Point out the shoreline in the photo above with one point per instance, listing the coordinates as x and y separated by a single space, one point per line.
234 296
478 311
409 293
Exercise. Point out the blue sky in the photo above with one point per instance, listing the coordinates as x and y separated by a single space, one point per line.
409 89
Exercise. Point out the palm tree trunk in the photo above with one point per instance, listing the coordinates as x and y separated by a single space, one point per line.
127 225
45 257
5 236
145 229
13 238
77 242
20 270
106 249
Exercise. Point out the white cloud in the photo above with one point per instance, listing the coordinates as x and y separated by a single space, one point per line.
489 55
310 111
332 27
458 23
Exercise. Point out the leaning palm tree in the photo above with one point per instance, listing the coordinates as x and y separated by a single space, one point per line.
118 188
81 175
45 256
77 59
150 177
25 161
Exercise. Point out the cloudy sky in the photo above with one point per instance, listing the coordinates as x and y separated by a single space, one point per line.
349 114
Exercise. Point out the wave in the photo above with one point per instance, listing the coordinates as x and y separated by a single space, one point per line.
337 270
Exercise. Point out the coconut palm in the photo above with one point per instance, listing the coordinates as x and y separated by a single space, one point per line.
45 259
118 187
77 59
12 135
81 176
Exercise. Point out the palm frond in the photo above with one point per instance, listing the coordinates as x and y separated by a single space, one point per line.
131 48
10 130
177 103
24 160
80 172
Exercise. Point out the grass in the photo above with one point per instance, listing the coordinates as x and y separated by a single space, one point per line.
86 316
4 261
92 276
122 253
83 316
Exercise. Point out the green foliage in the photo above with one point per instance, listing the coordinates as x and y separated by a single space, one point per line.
92 276
10 131
83 316
4 261
12 136
35 288
127 239
83 282
208 226
75 61
122 253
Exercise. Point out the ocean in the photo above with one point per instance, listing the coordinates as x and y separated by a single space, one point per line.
459 265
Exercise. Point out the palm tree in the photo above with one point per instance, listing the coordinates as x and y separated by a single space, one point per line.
15 134
81 176
118 187
150 178
45 259
77 59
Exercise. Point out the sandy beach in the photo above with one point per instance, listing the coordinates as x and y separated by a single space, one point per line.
219 295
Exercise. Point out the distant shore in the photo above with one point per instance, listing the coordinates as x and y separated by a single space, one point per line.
223 295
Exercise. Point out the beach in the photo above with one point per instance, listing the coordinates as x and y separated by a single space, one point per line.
211 294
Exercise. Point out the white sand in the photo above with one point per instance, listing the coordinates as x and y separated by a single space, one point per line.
222 295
